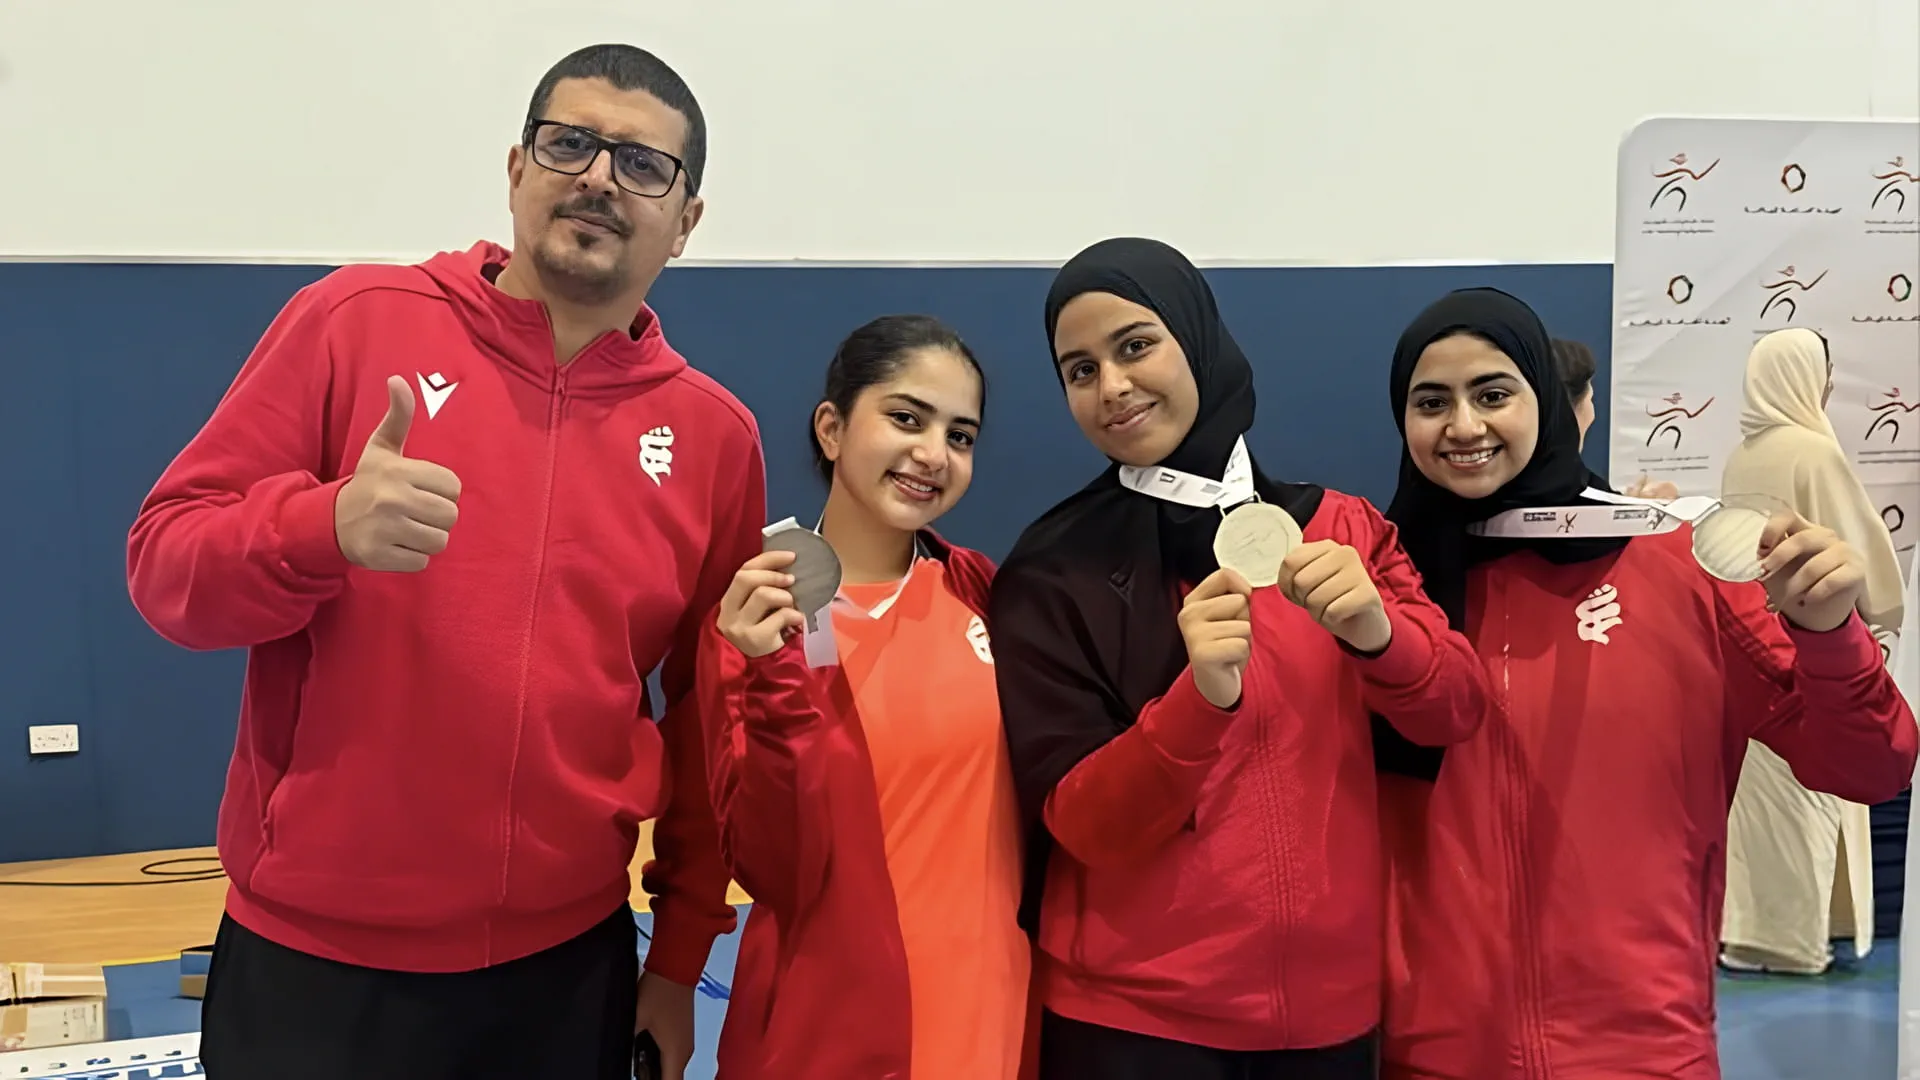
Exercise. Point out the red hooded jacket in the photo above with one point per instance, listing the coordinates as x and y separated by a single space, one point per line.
820 989
1219 873
1556 905
446 770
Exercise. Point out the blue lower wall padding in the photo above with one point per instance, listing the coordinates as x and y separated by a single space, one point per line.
113 368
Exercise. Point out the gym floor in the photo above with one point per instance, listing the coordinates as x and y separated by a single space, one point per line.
1771 1028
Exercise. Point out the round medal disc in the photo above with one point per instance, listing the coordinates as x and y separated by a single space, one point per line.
1253 541
815 569
1726 540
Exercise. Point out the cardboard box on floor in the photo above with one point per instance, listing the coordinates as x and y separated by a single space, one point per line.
51 1005
193 971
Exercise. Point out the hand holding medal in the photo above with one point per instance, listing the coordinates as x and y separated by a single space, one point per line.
1262 543
1727 536
780 591
757 612
1215 622
1813 577
1331 582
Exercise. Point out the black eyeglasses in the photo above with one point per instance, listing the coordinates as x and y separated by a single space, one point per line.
571 151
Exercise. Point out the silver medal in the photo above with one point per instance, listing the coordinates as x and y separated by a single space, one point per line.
1726 540
1254 540
815 569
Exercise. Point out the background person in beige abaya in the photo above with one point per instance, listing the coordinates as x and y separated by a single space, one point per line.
1799 864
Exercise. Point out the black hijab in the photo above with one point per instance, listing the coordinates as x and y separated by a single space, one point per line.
1083 609
1433 521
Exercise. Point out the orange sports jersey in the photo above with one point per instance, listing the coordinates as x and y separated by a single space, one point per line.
921 672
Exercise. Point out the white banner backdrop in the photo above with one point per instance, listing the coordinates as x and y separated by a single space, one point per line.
1728 230
1906 672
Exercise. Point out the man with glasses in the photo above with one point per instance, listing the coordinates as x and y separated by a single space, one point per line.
457 512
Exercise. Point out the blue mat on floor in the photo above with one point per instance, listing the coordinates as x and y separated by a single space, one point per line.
143 1000
1838 1025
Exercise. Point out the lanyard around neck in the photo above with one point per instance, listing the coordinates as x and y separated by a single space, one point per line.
818 641
1187 489
1620 515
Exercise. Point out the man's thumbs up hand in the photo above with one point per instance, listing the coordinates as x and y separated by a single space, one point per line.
391 435
395 511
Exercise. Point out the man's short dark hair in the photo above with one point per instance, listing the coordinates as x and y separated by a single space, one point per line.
1575 362
630 68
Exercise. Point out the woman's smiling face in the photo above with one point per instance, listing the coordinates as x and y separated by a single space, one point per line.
1471 422
1128 382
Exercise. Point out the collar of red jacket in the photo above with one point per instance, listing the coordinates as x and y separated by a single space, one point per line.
516 332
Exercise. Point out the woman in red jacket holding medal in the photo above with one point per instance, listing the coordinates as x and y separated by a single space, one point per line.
857 766
1557 877
1191 745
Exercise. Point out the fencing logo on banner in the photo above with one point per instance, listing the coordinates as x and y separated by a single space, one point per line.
1784 293
1888 447
1676 182
1888 414
1897 182
1670 422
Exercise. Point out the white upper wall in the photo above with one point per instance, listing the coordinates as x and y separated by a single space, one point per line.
1275 131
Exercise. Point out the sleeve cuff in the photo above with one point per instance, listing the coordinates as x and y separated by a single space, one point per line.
1183 724
309 544
774 671
1845 650
777 691
1405 661
677 953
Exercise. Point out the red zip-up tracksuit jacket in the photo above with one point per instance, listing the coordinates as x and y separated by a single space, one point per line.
820 988
1220 879
446 770
1557 892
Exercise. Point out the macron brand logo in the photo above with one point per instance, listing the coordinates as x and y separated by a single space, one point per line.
435 390
656 453
977 637
1598 613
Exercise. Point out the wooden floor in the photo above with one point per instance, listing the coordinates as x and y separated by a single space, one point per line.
129 924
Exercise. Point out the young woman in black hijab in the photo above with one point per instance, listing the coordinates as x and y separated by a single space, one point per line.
1557 889
1199 748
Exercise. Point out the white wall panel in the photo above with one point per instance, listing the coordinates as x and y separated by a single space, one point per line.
1315 131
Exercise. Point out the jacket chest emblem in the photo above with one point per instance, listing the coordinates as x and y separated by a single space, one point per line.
1598 614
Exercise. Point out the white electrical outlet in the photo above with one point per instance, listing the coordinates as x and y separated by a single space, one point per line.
53 739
